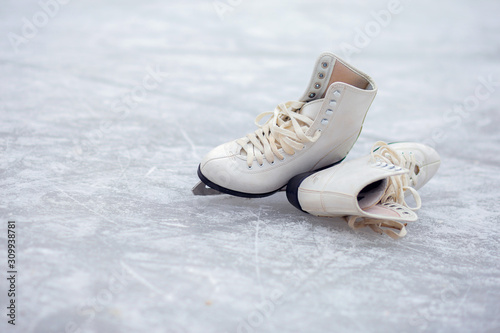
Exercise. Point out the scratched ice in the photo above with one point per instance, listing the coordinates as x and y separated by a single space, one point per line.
107 108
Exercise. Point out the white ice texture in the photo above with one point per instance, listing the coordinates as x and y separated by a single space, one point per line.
98 157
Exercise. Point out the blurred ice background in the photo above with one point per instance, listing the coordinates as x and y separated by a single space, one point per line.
97 170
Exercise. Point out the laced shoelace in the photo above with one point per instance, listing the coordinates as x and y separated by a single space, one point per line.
395 192
285 129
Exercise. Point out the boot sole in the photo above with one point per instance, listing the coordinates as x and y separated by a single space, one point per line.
232 192
262 195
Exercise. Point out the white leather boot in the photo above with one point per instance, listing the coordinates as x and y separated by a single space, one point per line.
372 188
313 133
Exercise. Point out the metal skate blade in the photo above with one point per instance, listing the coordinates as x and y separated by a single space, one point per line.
201 189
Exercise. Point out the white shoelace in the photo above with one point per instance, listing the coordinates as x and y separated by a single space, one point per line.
285 129
396 188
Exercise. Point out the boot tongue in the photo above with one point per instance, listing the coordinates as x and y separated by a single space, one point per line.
311 109
391 211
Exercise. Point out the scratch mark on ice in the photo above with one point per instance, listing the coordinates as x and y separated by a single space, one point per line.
150 171
143 281
188 139
175 225
86 207
124 168
257 266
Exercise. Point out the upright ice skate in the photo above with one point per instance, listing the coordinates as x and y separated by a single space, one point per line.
371 189
310 134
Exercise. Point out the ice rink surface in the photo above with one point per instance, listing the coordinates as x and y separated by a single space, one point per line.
107 107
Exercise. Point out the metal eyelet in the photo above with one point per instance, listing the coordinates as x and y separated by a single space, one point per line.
324 121
329 112
324 65
249 167
311 95
317 86
333 102
321 75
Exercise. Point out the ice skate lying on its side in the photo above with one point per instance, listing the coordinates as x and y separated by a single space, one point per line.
370 189
310 134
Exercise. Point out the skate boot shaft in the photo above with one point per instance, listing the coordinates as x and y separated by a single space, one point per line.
315 132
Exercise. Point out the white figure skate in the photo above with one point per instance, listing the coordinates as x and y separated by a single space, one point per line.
310 134
370 188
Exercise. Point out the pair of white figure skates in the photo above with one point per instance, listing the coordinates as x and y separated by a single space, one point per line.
302 147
